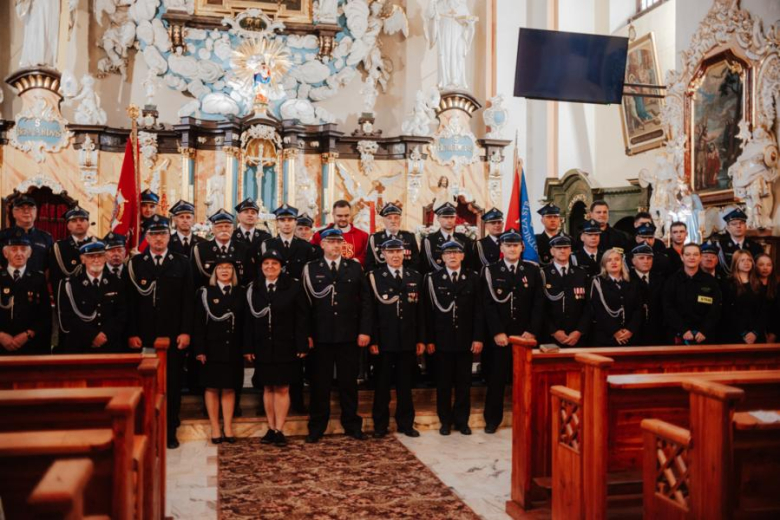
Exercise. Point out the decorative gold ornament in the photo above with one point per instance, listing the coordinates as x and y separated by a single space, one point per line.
260 65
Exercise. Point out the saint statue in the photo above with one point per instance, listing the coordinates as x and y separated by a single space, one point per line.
41 30
449 24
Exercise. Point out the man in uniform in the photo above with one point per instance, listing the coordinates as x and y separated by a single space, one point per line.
149 203
488 248
304 227
183 239
643 217
65 257
651 288
431 247
710 260
355 240
692 302
678 234
161 302
455 327
204 254
246 231
92 307
398 337
645 234
25 312
565 288
391 218
513 301
116 254
295 251
341 314
551 220
588 254
610 237
734 238
25 212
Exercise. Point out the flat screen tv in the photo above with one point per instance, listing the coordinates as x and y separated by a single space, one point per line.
564 66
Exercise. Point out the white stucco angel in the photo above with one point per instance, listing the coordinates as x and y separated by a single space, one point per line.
41 31
88 111
450 26
423 115
753 174
663 180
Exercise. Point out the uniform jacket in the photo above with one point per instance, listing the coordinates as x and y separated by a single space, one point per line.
513 302
743 312
204 256
176 246
41 243
652 294
258 237
454 312
399 316
430 251
582 259
692 303
354 245
543 247
25 305
617 296
64 260
375 259
487 251
728 247
566 304
217 330
296 256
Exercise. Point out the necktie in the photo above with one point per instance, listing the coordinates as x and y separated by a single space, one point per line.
271 288
226 289
593 258
563 272
248 236
115 270
17 274
447 238
512 269
158 260
644 278
224 250
333 270
286 244
397 275
186 242
95 283
454 276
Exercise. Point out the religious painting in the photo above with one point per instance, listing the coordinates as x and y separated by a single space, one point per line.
641 116
295 10
717 101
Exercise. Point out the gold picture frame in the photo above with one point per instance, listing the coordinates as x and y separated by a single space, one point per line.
289 10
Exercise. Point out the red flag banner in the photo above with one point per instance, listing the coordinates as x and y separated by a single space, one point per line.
513 212
126 202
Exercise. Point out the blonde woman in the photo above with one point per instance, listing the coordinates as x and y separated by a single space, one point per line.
743 302
217 336
615 303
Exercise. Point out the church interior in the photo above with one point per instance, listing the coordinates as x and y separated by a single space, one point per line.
425 109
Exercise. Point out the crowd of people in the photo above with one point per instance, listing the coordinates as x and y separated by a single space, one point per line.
306 303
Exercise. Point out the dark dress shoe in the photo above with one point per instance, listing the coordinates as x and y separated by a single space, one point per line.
358 435
313 438
465 430
229 440
216 440
173 443
411 432
491 428
269 437
444 430
280 439
378 434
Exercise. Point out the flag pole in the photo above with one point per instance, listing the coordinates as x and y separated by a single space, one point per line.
133 113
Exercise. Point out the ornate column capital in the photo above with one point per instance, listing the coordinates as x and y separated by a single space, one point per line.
186 152
290 153
232 151
330 157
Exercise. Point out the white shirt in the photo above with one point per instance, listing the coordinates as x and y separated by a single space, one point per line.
163 256
244 230
20 269
93 278
560 268
330 262
447 236
450 271
223 285
286 239
118 267
393 270
182 238
616 280
510 264
643 275
220 245
495 238
269 282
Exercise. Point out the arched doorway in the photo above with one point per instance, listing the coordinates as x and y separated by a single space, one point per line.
51 210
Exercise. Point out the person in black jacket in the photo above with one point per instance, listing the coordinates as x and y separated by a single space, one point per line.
161 306
765 270
303 227
204 254
735 239
455 328
25 211
513 301
246 230
398 337
341 316
276 338
391 218
92 307
551 220
651 288
645 234
217 337
692 302
710 260
183 239
744 303
588 255
615 303
610 237
64 257
431 246
295 251
25 312
565 287
488 248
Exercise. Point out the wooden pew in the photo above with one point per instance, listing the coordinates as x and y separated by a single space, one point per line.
726 465
81 408
60 493
605 418
535 372
108 370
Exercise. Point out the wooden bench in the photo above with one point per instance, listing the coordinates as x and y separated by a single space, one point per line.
81 408
597 439
146 371
535 372
60 493
726 465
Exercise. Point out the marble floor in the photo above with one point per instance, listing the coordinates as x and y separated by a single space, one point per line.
476 467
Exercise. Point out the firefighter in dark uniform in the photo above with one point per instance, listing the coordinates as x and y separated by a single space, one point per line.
295 251
391 217
398 337
488 248
431 246
246 232
92 307
551 220
149 202
116 255
692 302
710 260
204 254
651 288
454 327
565 287
161 302
25 312
25 211
734 239
64 257
304 227
341 317
182 238
513 301
588 254
615 303
645 234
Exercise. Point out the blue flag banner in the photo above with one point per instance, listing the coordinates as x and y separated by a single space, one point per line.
530 253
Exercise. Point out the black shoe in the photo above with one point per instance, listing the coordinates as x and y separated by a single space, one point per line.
465 430
280 440
313 438
358 435
444 430
269 437
490 428
378 434
216 440
173 443
229 440
411 432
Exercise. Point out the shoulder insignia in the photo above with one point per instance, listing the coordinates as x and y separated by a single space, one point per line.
86 283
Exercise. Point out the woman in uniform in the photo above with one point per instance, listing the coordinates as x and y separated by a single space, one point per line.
616 305
276 336
216 339
743 302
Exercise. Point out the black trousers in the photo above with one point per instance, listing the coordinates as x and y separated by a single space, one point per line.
453 370
496 377
345 358
398 366
173 374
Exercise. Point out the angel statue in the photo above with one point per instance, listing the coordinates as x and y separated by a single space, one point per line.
663 180
449 24
88 111
41 31
423 115
753 174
